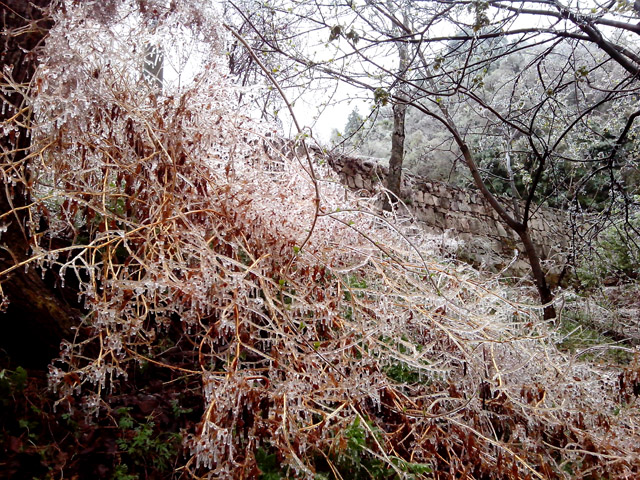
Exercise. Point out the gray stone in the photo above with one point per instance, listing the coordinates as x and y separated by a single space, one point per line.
464 207
452 221
497 247
426 215
358 181
474 226
465 237
476 208
439 220
469 217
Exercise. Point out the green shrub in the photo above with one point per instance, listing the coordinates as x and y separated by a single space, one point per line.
11 382
616 253
141 442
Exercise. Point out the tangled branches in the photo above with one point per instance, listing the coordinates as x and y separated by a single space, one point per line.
181 222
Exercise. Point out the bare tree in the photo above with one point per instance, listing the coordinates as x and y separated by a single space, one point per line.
579 79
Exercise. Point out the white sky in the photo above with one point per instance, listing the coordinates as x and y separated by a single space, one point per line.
308 109
322 122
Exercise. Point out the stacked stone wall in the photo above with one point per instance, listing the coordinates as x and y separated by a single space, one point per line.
444 209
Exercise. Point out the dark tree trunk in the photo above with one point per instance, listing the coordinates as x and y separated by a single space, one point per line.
546 297
36 318
394 179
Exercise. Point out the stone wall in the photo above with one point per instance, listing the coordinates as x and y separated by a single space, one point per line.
464 214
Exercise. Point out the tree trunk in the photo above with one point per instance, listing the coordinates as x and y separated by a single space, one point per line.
36 318
520 227
394 179
546 297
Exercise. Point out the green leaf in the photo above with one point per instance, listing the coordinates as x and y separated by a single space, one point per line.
19 379
381 96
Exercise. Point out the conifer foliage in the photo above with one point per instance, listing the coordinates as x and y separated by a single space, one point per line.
320 334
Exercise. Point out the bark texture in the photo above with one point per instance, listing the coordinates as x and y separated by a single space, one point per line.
394 178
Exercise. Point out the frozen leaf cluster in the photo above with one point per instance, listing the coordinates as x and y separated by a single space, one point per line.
301 310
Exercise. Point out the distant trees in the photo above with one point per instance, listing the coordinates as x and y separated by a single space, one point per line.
354 123
557 121
352 134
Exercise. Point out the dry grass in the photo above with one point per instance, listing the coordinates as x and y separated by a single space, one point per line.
325 335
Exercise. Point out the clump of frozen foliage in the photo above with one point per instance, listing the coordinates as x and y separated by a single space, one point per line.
306 316
616 254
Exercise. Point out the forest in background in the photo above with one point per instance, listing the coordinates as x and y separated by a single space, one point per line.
187 295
